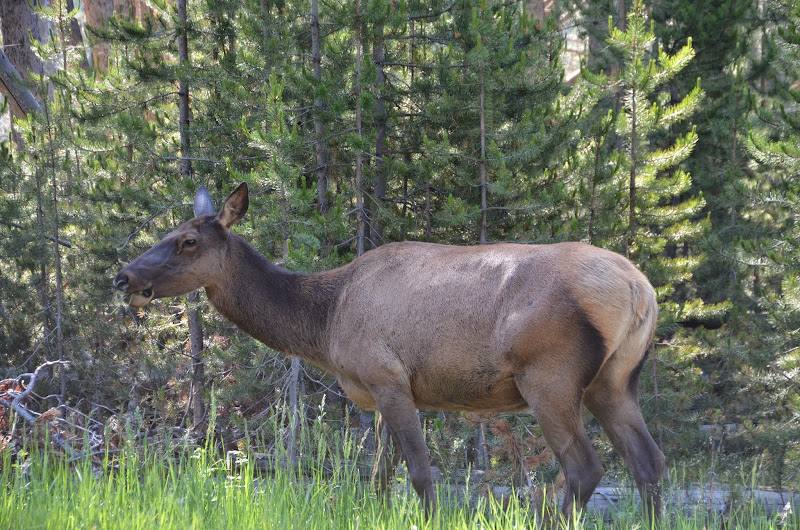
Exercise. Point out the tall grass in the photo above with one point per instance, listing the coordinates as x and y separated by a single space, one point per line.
143 487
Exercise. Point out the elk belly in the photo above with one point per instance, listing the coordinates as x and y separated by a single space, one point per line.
473 391
357 394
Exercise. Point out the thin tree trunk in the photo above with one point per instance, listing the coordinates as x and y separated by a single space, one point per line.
595 180
482 162
481 447
365 418
183 92
195 321
57 256
294 413
360 224
319 129
198 367
622 14
632 183
376 231
657 397
41 286
428 209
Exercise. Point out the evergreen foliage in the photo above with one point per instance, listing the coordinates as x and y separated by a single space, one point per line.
770 373
445 121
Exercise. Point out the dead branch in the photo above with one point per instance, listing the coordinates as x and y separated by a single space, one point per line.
46 236
17 406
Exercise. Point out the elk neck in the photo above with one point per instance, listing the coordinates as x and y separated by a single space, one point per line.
285 310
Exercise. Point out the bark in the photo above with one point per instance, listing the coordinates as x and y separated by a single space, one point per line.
97 13
536 8
17 24
21 100
622 14
319 129
73 36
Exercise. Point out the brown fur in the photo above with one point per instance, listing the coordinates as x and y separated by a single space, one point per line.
410 326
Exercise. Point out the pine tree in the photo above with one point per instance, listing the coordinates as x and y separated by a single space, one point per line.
632 194
767 373
497 83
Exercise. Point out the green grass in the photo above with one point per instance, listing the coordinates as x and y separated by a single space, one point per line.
145 487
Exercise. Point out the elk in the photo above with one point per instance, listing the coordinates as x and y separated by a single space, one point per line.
406 326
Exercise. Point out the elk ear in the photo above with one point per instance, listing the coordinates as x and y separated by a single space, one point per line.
235 207
203 205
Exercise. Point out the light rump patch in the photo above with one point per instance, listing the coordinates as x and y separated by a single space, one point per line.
419 325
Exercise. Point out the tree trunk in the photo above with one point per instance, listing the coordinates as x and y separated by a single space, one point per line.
98 12
481 448
183 92
20 98
622 14
482 162
74 37
632 183
195 322
57 256
17 24
41 286
360 224
319 129
376 231
294 412
198 368
536 8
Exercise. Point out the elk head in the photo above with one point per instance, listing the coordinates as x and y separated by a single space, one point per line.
188 258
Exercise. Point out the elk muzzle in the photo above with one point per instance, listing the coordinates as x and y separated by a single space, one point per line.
135 295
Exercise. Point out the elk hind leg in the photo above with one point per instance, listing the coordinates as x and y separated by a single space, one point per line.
558 410
614 402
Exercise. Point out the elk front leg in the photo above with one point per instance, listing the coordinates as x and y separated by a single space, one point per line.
398 411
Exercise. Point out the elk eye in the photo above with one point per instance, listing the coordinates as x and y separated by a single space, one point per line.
189 242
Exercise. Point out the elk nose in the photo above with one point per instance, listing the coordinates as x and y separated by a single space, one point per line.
121 282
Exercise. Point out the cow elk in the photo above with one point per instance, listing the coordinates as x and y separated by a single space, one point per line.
492 328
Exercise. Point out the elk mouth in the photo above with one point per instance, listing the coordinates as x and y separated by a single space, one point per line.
140 298
135 297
